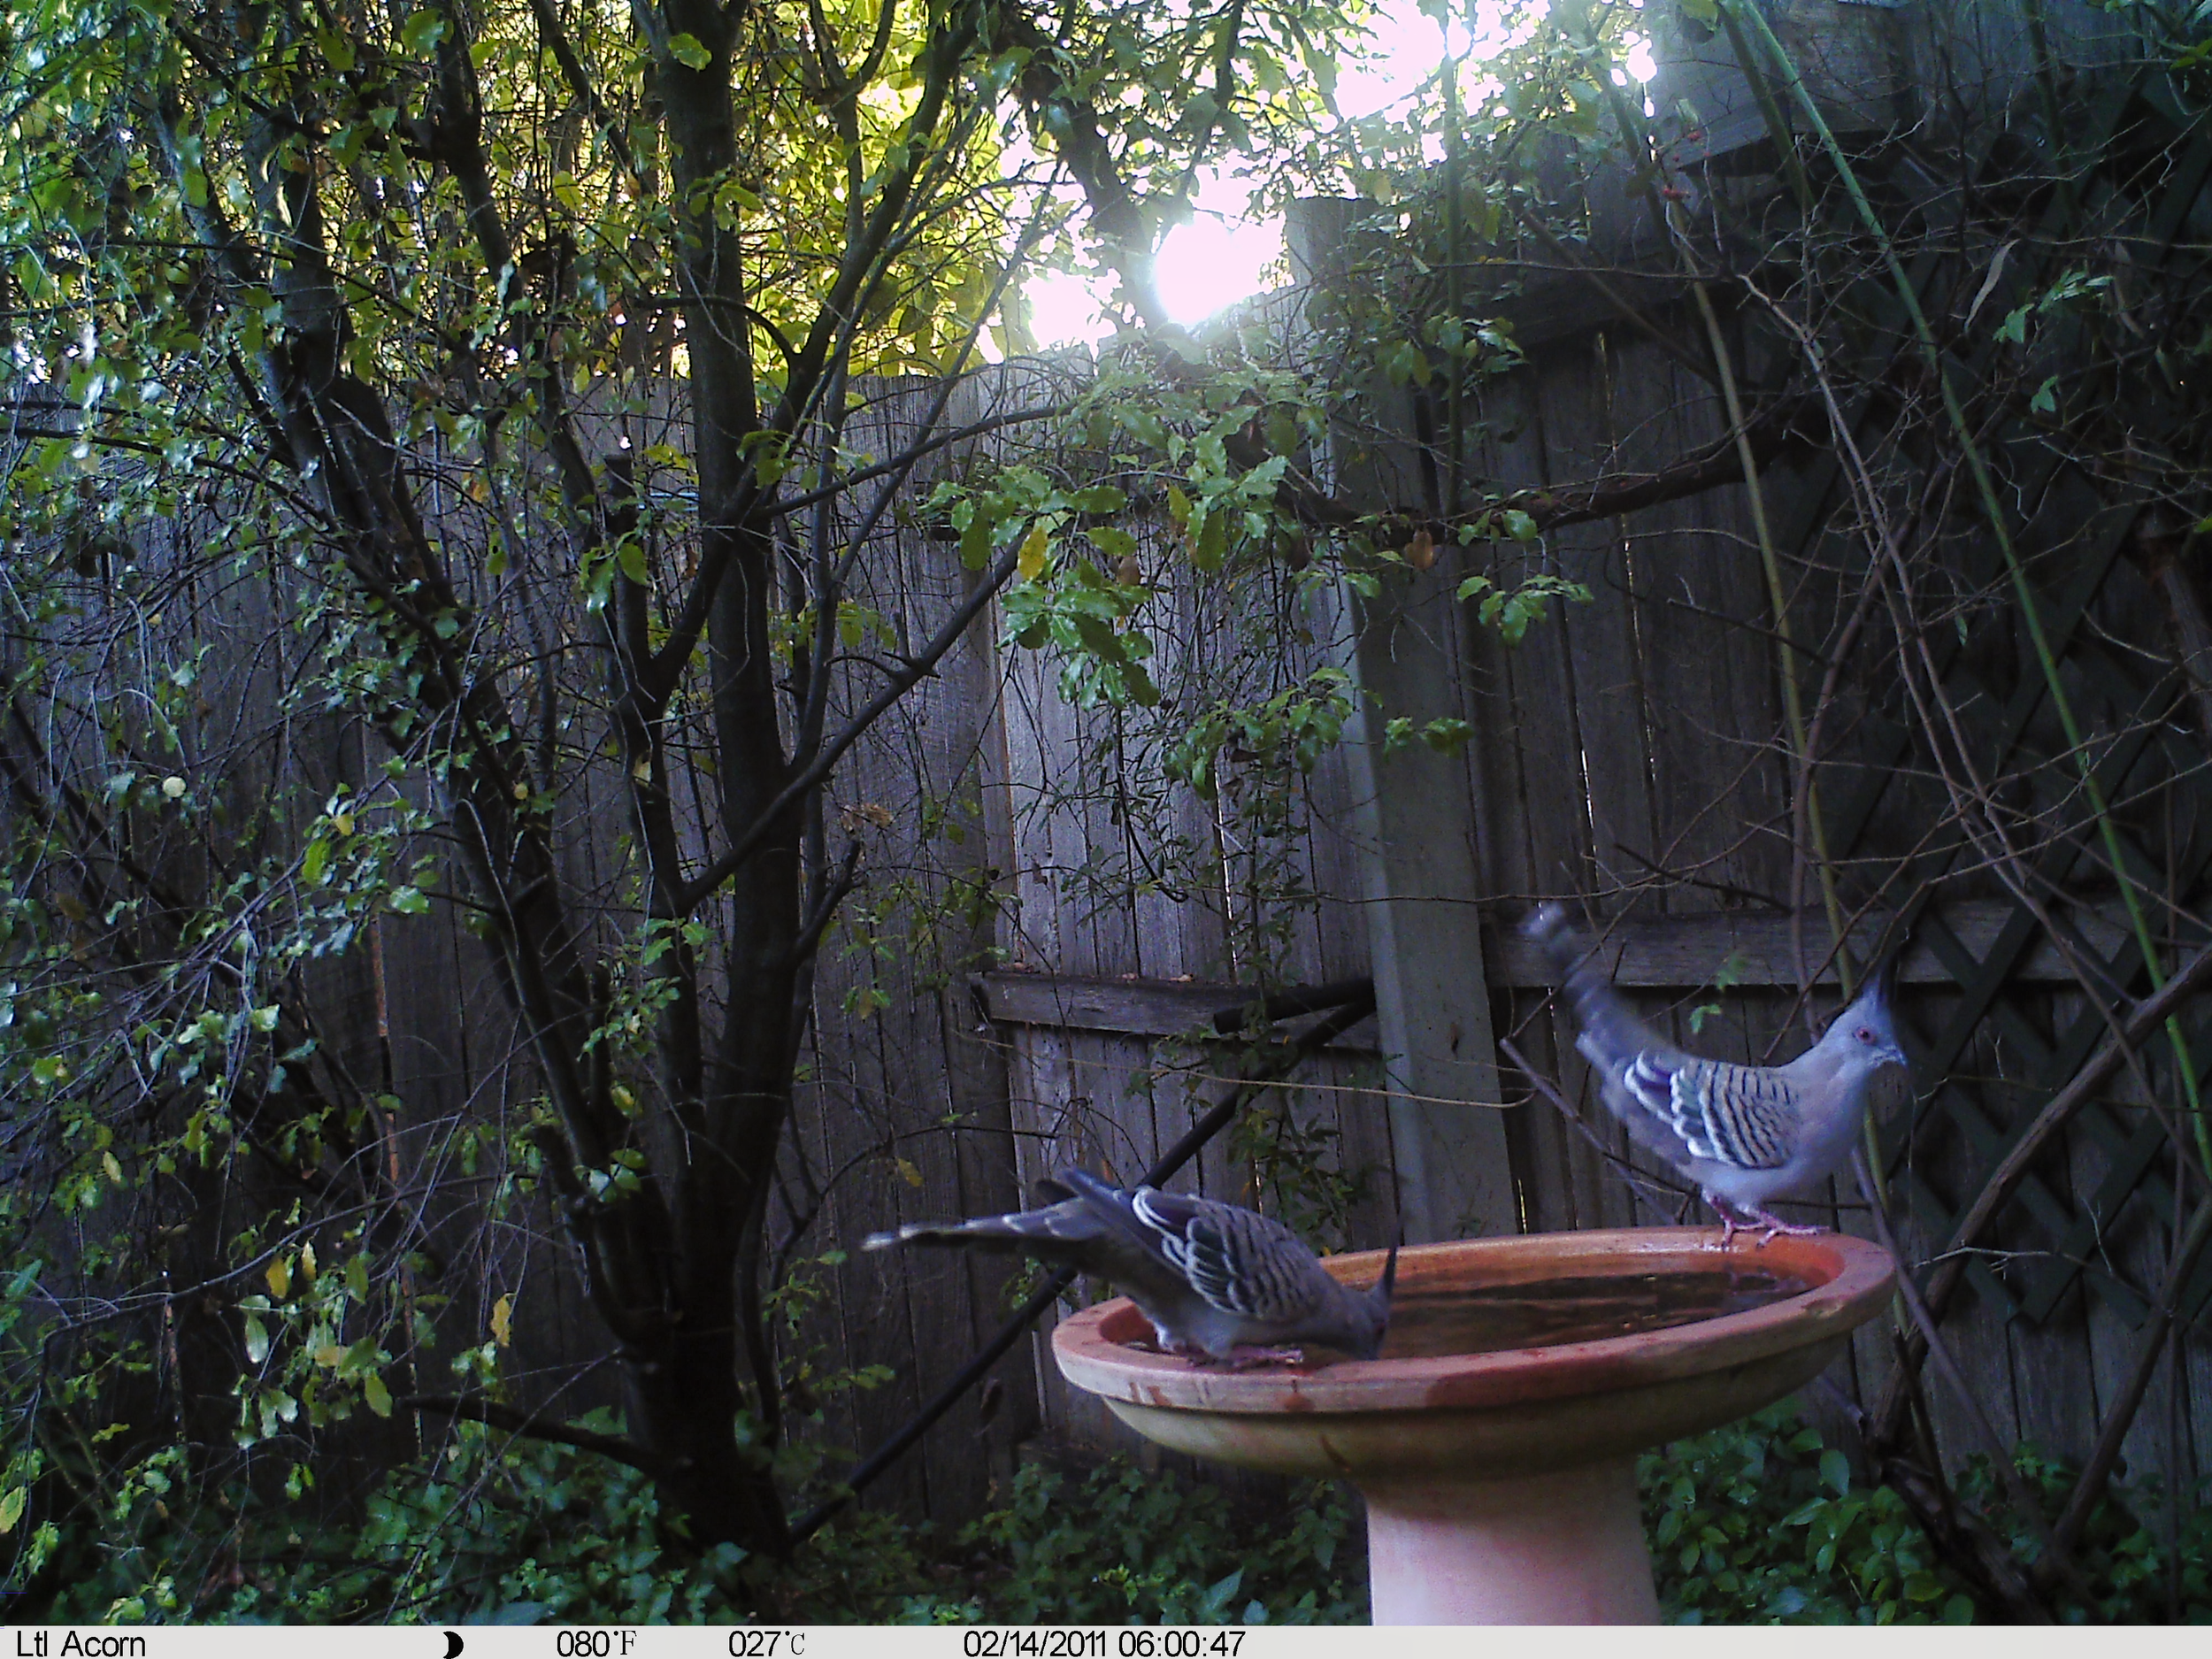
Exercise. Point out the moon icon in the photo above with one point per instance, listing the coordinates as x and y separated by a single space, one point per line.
453 1644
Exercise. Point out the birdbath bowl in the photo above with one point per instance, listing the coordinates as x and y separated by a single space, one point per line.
1495 1439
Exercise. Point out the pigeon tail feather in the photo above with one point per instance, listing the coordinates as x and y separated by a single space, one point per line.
1069 1223
1612 1038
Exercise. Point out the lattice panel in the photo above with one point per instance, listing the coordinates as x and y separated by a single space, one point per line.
2002 721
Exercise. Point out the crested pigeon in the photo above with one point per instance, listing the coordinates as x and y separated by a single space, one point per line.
1221 1285
1744 1134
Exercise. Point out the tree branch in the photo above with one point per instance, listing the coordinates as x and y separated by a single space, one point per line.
917 669
499 1417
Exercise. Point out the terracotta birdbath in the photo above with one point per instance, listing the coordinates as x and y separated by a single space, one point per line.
1495 1439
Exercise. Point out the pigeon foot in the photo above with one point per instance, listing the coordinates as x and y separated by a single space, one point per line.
1775 1224
1768 1227
1752 1217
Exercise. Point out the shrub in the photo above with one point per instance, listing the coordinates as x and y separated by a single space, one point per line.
1118 1545
1755 1523
1759 1523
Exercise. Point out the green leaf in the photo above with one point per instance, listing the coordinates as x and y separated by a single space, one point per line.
12 1507
975 542
377 1395
1114 543
687 51
1212 544
1447 735
1835 1471
1145 426
409 900
1519 526
256 1340
422 33
313 861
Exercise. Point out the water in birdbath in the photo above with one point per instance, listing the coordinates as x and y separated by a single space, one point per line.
1484 1318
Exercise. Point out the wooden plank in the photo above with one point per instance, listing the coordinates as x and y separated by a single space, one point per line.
1682 952
1593 749
1128 1005
1678 953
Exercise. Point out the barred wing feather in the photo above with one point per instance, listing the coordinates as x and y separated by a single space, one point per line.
1239 1262
1743 1117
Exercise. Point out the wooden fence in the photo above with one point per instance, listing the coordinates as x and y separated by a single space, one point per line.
1632 756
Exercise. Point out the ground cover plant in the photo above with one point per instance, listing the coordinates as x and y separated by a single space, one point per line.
1759 1522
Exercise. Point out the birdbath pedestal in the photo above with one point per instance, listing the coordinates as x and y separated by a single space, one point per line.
1495 1439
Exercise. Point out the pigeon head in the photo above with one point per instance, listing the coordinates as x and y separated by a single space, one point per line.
1867 1030
1368 1317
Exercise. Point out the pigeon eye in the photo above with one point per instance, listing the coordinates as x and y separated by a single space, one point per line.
1866 1033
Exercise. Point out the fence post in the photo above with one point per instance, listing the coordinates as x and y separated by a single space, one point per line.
1414 819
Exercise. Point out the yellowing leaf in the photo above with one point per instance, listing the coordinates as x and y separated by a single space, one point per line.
377 1395
503 1321
1030 561
114 1170
329 1354
1421 551
912 1175
279 1277
307 1262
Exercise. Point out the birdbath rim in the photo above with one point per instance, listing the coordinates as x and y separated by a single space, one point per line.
1847 1279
